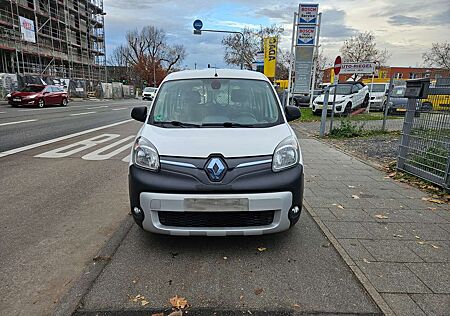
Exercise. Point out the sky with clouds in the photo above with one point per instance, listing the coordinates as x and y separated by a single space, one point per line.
406 28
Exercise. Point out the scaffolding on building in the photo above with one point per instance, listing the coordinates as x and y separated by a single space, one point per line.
68 40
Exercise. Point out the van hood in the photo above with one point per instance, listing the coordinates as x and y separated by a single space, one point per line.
202 142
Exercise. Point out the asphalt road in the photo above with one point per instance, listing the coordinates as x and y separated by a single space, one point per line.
29 125
64 195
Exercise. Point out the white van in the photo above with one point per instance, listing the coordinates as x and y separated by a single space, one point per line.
216 156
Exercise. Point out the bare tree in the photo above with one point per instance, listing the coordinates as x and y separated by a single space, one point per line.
149 54
238 50
438 56
283 61
362 47
322 62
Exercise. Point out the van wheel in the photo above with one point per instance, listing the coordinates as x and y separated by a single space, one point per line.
348 109
41 103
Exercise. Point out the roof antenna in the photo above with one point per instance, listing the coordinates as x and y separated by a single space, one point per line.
215 71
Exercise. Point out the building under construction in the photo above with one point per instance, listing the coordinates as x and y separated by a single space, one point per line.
53 40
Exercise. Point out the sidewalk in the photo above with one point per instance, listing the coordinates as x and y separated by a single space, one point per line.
395 243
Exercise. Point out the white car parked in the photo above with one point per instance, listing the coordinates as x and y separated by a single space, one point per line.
377 95
349 96
215 156
149 93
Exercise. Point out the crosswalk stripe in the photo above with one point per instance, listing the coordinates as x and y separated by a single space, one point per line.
97 154
78 146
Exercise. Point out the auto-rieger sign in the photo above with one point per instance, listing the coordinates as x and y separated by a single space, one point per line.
357 68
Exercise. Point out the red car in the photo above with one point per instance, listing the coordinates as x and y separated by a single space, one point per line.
39 95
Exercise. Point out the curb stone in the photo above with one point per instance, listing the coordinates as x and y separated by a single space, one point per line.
69 303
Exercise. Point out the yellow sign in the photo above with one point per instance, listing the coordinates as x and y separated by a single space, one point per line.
270 56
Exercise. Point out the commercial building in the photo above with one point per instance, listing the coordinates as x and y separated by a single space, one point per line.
400 73
53 40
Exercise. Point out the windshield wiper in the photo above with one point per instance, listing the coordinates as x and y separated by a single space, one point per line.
178 123
227 124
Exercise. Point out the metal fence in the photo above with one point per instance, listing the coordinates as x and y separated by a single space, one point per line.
425 145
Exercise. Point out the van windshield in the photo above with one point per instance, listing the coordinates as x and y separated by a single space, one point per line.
215 103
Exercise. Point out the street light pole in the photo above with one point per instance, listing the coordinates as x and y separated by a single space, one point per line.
199 32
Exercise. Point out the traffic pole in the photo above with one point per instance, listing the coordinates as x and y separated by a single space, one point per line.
386 107
315 60
323 120
292 60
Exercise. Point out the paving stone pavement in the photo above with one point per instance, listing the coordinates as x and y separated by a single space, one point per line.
397 244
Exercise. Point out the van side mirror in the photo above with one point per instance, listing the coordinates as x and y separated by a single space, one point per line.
139 113
292 113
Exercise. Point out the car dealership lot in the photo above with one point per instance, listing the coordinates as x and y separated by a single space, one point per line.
63 198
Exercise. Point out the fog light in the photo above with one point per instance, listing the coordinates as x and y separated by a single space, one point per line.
295 210
137 211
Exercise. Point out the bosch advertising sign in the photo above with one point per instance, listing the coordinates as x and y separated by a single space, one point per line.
306 35
307 13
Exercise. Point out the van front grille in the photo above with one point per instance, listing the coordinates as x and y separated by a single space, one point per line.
216 219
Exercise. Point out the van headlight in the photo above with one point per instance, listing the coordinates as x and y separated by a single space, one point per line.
145 154
286 155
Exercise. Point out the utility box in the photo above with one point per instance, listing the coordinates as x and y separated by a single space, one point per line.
417 88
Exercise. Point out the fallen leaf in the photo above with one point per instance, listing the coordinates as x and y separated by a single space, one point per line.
296 306
355 197
421 242
158 314
225 258
176 313
339 206
417 237
434 246
134 281
241 297
365 260
392 174
399 236
258 291
261 249
380 216
351 186
144 302
326 245
433 200
432 208
178 302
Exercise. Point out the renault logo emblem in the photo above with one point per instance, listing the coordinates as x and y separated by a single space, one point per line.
215 169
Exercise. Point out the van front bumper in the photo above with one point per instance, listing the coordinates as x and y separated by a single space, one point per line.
272 202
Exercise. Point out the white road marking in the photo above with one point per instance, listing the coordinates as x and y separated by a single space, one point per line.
84 113
2 112
119 109
97 155
127 158
97 107
58 139
78 146
16 122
